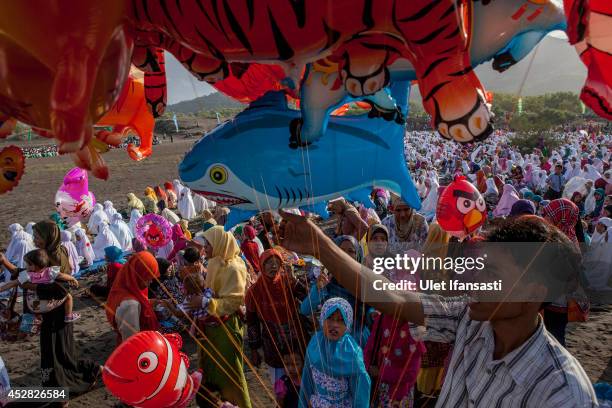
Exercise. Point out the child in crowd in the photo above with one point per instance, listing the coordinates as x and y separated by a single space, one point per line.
193 264
334 372
193 285
114 262
39 271
287 388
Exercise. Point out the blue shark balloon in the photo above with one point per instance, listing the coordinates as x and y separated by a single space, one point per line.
247 163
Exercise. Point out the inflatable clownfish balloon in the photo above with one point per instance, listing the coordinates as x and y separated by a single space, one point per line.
461 209
148 370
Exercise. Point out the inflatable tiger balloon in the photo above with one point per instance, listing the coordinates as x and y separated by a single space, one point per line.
362 38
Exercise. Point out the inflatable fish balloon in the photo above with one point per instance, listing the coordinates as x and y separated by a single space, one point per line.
73 200
148 370
249 164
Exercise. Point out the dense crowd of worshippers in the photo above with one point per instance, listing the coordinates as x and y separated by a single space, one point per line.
42 151
290 291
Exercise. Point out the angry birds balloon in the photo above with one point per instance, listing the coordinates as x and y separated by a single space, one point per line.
12 166
154 230
148 370
461 209
73 200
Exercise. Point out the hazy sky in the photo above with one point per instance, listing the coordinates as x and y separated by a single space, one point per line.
183 86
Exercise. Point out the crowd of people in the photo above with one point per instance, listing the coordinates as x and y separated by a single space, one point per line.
51 150
281 291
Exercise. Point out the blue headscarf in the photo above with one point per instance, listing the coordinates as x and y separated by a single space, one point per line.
340 359
114 254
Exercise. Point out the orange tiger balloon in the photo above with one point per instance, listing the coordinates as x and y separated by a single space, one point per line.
12 167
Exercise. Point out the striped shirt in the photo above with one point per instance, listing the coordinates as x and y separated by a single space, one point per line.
540 373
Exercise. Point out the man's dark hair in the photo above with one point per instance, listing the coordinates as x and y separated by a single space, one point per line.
546 254
191 255
38 258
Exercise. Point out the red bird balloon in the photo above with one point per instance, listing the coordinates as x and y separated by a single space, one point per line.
148 370
461 209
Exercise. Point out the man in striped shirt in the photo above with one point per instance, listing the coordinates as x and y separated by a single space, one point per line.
502 355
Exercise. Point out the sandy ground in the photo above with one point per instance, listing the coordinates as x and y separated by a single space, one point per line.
33 200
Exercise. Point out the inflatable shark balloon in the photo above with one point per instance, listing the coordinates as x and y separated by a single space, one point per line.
248 164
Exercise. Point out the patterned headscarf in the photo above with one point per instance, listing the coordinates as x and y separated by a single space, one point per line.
337 303
564 215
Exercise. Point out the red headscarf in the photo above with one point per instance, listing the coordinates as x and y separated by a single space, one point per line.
272 298
142 266
564 214
161 194
250 249
250 232
169 187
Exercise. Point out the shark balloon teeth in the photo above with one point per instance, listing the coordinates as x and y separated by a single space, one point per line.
222 199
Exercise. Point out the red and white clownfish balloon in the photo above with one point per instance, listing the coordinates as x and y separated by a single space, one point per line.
461 209
148 370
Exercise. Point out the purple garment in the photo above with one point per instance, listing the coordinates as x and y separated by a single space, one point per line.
522 207
508 198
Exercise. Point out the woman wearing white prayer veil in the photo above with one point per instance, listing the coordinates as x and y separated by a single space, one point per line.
589 201
109 209
590 173
105 238
170 215
200 203
20 244
97 217
73 253
122 232
428 207
573 170
14 229
84 247
134 217
598 259
178 186
185 204
30 229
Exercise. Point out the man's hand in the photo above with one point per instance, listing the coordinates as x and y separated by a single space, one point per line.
299 234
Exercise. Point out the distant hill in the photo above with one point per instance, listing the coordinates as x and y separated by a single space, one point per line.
555 68
214 101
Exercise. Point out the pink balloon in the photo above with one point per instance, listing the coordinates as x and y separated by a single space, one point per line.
73 199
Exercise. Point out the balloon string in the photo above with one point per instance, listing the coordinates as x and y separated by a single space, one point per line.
200 345
533 55
216 350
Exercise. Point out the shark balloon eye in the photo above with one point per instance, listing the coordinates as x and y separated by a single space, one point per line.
147 362
218 174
